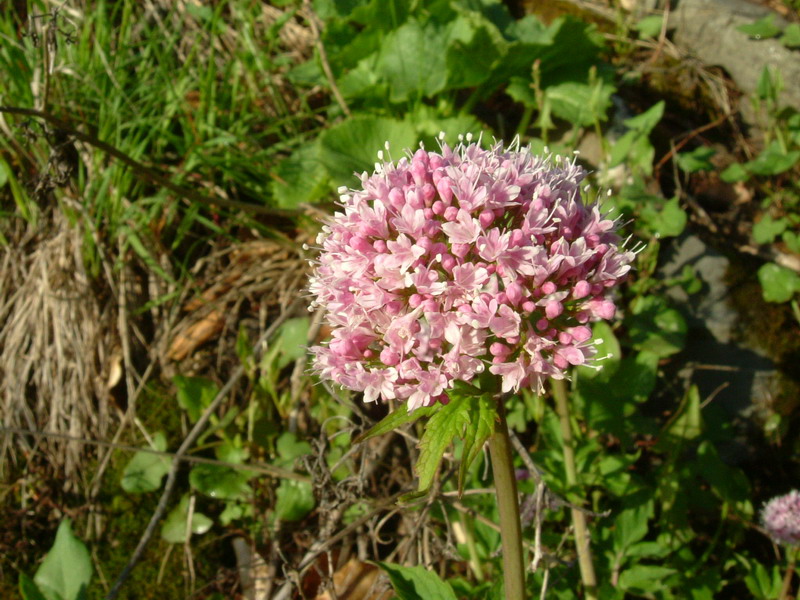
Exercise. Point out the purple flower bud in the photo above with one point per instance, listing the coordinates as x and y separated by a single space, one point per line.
781 518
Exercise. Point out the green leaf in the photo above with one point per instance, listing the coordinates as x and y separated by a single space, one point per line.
762 29
687 423
650 26
608 349
28 590
646 122
352 146
665 219
698 159
195 394
634 146
767 229
728 482
644 580
395 419
413 61
66 570
417 583
734 173
291 341
474 49
480 429
145 470
289 448
294 500
446 423
630 526
773 160
300 177
791 36
174 528
768 84
763 584
778 284
580 104
792 241
223 483
655 327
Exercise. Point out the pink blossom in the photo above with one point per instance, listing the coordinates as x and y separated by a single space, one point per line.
781 518
446 263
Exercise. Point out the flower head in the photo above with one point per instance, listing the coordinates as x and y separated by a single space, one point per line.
781 518
449 263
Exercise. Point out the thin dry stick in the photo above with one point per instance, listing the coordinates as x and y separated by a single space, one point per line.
195 433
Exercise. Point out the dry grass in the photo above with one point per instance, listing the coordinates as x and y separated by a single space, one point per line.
58 346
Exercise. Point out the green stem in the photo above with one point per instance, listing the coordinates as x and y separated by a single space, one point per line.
505 484
578 517
786 588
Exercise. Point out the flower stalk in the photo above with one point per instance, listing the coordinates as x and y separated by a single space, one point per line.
508 506
582 546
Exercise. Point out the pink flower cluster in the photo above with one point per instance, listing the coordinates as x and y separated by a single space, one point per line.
781 518
447 263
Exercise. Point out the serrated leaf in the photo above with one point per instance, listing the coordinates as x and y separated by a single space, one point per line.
174 528
145 470
300 177
480 429
397 418
352 146
417 583
580 104
645 579
762 29
446 423
66 570
778 284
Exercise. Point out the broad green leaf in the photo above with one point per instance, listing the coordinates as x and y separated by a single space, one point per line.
175 525
66 570
28 589
763 584
650 26
291 341
792 241
664 219
687 424
778 284
195 394
698 159
289 448
767 229
223 483
634 146
352 146
645 580
397 418
630 526
773 160
413 60
474 49
646 122
727 482
234 511
417 583
734 173
145 470
791 36
655 327
294 500
446 423
580 104
300 177
480 429
608 353
762 29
